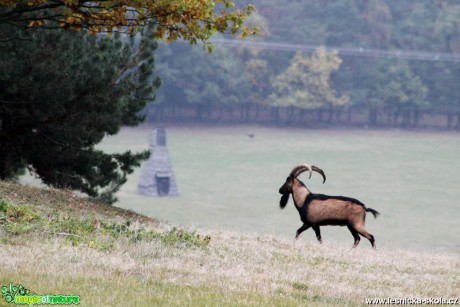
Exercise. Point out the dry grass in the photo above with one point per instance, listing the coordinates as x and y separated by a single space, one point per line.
236 266
234 269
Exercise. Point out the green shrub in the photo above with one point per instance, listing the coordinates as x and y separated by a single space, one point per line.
178 236
19 219
20 213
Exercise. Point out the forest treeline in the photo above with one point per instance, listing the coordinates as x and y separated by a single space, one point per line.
323 86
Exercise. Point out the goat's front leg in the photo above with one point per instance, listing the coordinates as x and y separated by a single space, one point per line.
300 230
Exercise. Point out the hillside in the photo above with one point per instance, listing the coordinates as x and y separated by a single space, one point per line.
54 242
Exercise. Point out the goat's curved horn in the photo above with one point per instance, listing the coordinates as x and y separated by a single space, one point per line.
319 171
299 169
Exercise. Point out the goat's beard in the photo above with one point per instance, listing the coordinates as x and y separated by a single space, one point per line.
283 201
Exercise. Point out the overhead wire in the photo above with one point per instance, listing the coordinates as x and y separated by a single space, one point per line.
344 51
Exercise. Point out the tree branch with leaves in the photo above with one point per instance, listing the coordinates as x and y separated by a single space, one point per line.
191 20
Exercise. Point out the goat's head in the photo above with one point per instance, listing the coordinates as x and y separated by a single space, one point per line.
287 188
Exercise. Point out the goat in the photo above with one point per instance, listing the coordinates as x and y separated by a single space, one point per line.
320 210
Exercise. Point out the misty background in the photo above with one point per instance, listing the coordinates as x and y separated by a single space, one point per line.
389 63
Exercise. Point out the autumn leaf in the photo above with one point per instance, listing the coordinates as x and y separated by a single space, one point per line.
192 20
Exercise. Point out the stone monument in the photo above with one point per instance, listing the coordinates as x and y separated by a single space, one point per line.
157 177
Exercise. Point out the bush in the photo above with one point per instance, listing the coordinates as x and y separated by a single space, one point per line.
18 219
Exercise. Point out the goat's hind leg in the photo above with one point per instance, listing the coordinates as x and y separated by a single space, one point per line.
355 235
367 235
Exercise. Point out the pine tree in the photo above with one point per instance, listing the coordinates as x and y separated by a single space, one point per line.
61 92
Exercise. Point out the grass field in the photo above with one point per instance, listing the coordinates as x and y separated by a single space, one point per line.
227 181
53 242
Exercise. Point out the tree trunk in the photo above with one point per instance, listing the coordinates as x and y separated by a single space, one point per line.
389 118
3 168
221 113
406 119
247 112
275 114
373 117
159 113
349 119
450 117
302 115
395 118
4 161
331 115
230 112
244 112
416 119
338 115
257 111
199 112
290 115
320 115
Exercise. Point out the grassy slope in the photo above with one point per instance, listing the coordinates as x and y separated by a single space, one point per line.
233 269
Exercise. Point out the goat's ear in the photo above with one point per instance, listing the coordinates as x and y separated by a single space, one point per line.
283 201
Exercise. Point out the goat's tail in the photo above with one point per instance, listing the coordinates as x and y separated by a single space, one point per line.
375 213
